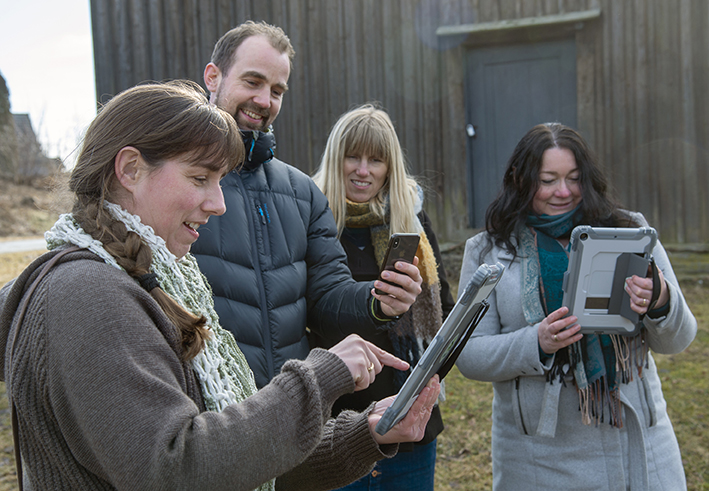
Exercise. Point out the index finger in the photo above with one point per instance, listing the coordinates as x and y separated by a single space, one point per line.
558 314
386 358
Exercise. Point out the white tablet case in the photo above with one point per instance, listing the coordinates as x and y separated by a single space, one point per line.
599 261
466 313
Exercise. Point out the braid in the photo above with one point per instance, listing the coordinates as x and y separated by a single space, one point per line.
135 257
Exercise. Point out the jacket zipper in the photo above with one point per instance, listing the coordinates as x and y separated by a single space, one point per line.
265 218
259 210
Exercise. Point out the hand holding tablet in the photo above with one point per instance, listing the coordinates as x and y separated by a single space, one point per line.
599 262
445 347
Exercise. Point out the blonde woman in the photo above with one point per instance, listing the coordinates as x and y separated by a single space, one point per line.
363 174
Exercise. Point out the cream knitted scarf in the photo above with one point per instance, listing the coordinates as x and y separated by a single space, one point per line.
221 368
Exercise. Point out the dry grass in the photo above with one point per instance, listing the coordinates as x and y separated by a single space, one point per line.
29 210
464 447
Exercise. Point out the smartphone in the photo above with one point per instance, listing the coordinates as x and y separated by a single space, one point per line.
402 247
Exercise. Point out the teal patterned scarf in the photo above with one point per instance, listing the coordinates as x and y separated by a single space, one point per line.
593 360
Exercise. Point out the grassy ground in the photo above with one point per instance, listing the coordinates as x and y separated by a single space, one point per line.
464 447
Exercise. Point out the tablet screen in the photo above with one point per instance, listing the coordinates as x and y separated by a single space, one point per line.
446 345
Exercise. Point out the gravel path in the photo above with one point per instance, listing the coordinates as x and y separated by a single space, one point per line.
22 245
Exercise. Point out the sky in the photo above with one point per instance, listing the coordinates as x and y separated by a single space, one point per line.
46 58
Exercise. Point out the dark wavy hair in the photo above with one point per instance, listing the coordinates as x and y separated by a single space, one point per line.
508 212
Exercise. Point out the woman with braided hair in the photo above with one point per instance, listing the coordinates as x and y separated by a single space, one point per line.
118 371
363 174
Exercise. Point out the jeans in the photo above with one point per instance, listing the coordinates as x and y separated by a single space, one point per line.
407 471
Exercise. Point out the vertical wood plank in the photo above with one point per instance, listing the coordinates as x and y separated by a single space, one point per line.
409 86
138 33
336 80
509 9
489 11
225 19
103 54
469 13
173 40
156 36
123 45
309 101
454 213
242 12
392 58
572 6
669 192
531 8
639 115
618 104
190 37
585 86
260 10
599 109
291 126
688 155
700 37
644 150
551 7
373 53
207 34
351 40
428 128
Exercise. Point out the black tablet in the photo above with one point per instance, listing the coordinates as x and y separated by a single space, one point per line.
445 347
600 260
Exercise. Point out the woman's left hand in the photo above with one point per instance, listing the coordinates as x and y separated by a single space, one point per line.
640 291
401 295
412 427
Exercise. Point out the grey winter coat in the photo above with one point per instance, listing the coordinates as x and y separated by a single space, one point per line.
538 439
276 266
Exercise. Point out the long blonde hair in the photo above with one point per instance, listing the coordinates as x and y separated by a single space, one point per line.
368 130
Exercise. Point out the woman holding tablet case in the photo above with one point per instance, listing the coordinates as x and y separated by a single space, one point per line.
570 411
364 177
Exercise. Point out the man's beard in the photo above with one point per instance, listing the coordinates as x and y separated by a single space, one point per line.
243 123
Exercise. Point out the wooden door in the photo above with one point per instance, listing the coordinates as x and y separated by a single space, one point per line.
509 89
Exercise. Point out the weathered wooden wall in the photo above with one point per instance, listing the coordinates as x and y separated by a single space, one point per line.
642 72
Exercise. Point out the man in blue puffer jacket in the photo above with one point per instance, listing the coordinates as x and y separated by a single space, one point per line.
273 259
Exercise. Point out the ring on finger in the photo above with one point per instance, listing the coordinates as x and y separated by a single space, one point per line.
644 302
370 367
555 337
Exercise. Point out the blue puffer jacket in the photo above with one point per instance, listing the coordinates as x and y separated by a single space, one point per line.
275 266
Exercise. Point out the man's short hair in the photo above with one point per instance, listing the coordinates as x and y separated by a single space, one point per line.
223 54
